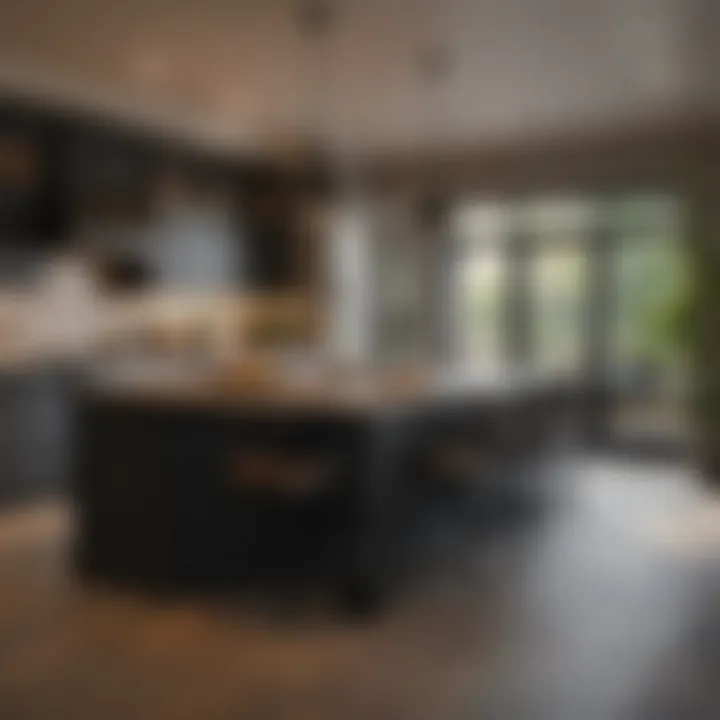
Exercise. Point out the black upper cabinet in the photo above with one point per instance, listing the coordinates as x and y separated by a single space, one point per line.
53 219
58 169
108 174
271 221
24 176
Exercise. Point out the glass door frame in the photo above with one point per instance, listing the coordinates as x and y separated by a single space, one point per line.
598 393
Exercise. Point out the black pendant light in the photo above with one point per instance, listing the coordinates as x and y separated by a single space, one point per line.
434 68
435 65
317 20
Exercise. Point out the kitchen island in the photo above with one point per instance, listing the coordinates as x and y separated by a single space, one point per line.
217 482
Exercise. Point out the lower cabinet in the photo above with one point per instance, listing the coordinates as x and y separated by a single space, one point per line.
36 434
160 501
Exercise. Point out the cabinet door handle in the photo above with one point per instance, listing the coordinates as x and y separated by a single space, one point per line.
276 471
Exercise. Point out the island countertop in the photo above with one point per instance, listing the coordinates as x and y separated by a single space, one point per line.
334 391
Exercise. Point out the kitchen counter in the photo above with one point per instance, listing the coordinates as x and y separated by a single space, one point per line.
334 391
192 478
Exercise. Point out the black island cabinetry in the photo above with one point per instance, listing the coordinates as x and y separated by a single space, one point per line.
177 491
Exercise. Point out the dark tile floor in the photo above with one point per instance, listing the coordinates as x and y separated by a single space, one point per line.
607 608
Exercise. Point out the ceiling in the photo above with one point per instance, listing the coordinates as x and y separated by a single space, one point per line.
241 73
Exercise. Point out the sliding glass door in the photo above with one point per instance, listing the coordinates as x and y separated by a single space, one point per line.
590 288
556 236
648 355
480 285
